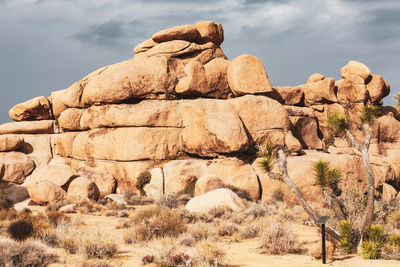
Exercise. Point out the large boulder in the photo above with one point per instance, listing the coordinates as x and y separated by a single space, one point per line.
352 90
219 198
37 108
155 189
206 183
17 166
262 116
206 132
60 174
377 88
10 142
28 127
288 95
389 128
210 31
45 192
182 32
38 147
305 129
319 92
388 192
316 77
81 189
355 68
14 192
194 82
246 75
216 75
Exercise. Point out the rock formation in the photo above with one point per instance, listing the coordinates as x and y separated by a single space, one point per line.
182 111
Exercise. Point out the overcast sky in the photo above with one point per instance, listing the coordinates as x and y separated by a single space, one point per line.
46 45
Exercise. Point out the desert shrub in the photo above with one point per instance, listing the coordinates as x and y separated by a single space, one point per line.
383 211
346 230
394 219
7 214
145 215
278 240
56 205
48 236
139 200
376 233
5 203
186 240
22 254
277 195
252 230
20 229
201 231
97 246
112 213
143 179
228 229
211 253
220 211
353 203
371 250
56 217
147 259
86 207
256 210
96 263
241 193
168 201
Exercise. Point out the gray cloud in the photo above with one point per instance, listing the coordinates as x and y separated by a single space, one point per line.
47 45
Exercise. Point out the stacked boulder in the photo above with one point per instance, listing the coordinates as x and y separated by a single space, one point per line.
182 111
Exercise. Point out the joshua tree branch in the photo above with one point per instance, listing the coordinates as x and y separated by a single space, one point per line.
299 195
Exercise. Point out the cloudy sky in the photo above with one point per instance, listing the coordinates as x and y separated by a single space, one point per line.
46 45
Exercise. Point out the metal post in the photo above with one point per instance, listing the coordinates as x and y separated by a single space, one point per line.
323 244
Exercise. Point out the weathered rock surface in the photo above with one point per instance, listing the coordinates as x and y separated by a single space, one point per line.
81 189
377 88
388 192
183 32
221 197
28 127
144 46
45 192
37 108
210 31
316 77
17 166
60 174
319 92
207 183
155 189
15 193
355 68
305 129
246 75
10 142
288 95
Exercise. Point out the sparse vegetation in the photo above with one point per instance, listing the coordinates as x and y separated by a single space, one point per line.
20 229
211 253
278 240
346 230
143 179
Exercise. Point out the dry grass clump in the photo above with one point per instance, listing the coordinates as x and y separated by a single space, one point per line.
211 253
164 253
22 254
168 201
316 250
278 240
253 229
202 231
228 229
96 263
221 212
186 240
164 223
7 214
56 217
88 206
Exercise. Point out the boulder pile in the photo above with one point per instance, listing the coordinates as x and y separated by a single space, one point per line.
180 110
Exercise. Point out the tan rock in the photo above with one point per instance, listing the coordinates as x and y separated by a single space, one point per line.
184 184
168 48
289 95
305 129
295 111
268 185
194 83
155 189
389 128
38 148
207 183
377 88
70 119
45 192
81 189
57 102
210 31
37 108
144 46
59 174
316 77
352 90
17 166
121 144
355 68
388 192
246 75
260 115
236 173
216 75
182 32
292 143
206 132
28 127
10 142
319 92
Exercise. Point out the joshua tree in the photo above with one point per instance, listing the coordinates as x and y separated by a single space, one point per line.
328 179
341 125
269 154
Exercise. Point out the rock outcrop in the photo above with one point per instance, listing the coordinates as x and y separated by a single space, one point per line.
182 111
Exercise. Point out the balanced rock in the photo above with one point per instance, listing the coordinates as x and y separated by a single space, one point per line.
355 68
218 198
45 192
17 166
246 75
10 142
37 108
183 32
81 189
206 183
316 77
210 31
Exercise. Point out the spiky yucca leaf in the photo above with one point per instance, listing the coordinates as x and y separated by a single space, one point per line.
369 113
346 230
371 250
266 164
376 233
267 153
338 122
325 176
394 240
